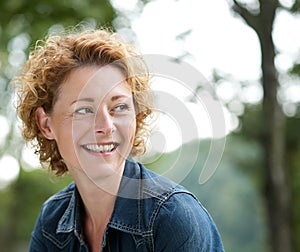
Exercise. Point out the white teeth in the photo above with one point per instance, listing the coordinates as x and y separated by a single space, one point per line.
100 148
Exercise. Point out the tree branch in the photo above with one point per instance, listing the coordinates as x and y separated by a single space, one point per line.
244 13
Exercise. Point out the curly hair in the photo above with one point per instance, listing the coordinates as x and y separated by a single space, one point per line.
49 64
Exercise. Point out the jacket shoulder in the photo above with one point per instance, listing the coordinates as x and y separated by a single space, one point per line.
190 224
56 205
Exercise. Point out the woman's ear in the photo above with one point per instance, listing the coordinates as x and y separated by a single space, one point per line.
43 120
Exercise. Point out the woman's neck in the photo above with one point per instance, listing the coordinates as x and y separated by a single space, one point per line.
98 197
98 200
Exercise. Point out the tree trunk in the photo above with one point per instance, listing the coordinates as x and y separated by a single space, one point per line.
277 191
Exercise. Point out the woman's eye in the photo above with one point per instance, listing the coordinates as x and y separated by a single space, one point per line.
121 107
83 111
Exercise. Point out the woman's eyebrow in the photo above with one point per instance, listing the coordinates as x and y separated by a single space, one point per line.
83 99
117 97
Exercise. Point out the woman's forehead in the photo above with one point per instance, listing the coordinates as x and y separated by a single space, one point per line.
95 81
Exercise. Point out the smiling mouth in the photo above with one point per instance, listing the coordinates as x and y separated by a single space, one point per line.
101 148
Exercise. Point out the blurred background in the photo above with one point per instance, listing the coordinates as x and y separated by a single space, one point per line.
249 53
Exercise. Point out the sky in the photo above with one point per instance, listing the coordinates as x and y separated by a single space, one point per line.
212 39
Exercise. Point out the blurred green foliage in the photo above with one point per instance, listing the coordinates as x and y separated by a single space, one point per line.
293 152
35 17
251 129
20 205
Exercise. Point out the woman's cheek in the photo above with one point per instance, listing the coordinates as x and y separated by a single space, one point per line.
132 127
81 127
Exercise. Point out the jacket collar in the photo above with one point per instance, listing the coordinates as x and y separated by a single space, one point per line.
137 188
71 218
141 192
126 210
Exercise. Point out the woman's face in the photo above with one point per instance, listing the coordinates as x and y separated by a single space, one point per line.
93 121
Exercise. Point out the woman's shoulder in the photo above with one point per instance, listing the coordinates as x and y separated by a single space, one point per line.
182 202
65 193
178 220
183 222
56 218
58 202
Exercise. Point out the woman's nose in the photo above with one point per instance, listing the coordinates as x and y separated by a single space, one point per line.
104 122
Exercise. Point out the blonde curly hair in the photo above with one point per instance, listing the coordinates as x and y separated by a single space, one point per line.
48 66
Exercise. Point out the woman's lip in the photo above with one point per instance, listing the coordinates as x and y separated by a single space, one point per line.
101 147
101 143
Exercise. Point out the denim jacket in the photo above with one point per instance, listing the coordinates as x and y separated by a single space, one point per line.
151 213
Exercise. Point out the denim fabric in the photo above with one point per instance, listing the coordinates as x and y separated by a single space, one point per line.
151 213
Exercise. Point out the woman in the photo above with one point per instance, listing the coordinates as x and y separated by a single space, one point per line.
85 99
